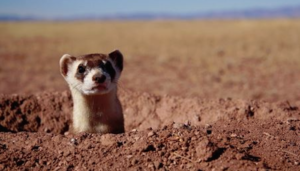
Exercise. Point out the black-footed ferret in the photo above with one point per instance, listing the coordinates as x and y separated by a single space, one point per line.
92 79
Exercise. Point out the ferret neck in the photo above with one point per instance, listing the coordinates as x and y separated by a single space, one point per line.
93 103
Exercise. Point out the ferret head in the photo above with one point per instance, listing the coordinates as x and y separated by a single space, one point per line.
92 74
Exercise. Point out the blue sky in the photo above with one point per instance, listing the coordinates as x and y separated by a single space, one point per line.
68 8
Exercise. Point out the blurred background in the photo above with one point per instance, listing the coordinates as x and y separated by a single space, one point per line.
207 49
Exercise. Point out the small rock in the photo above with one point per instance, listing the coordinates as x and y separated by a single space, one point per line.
205 149
178 125
27 164
184 148
207 126
149 129
129 156
74 141
47 130
233 135
187 123
151 133
165 127
198 118
134 162
158 165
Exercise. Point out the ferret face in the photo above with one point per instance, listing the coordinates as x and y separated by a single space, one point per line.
92 74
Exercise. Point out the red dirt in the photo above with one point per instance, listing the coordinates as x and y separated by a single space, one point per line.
196 62
162 133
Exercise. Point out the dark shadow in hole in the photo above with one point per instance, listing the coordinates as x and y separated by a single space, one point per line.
216 154
4 129
65 129
251 158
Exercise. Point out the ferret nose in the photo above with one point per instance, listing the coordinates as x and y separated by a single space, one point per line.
99 79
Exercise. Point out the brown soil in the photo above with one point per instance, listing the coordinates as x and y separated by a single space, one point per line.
162 133
205 66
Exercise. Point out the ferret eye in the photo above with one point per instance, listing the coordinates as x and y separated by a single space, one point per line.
81 69
101 65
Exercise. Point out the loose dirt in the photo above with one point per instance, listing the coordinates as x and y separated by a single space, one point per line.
233 103
162 133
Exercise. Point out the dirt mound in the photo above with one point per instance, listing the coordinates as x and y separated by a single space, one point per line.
162 132
47 112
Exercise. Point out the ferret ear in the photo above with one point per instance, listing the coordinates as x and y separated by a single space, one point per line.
64 62
117 57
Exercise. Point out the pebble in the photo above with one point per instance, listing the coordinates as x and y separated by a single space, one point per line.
134 130
177 125
151 133
129 156
47 130
74 141
233 135
198 118
208 126
134 161
158 165
27 164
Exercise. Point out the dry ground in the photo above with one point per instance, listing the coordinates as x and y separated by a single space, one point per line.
208 59
234 84
219 134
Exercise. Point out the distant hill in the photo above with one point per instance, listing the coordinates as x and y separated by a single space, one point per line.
17 18
284 12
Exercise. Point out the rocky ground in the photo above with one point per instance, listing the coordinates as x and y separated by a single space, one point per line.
222 134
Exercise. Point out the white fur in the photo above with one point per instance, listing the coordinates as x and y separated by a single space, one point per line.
89 84
94 110
71 80
86 87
